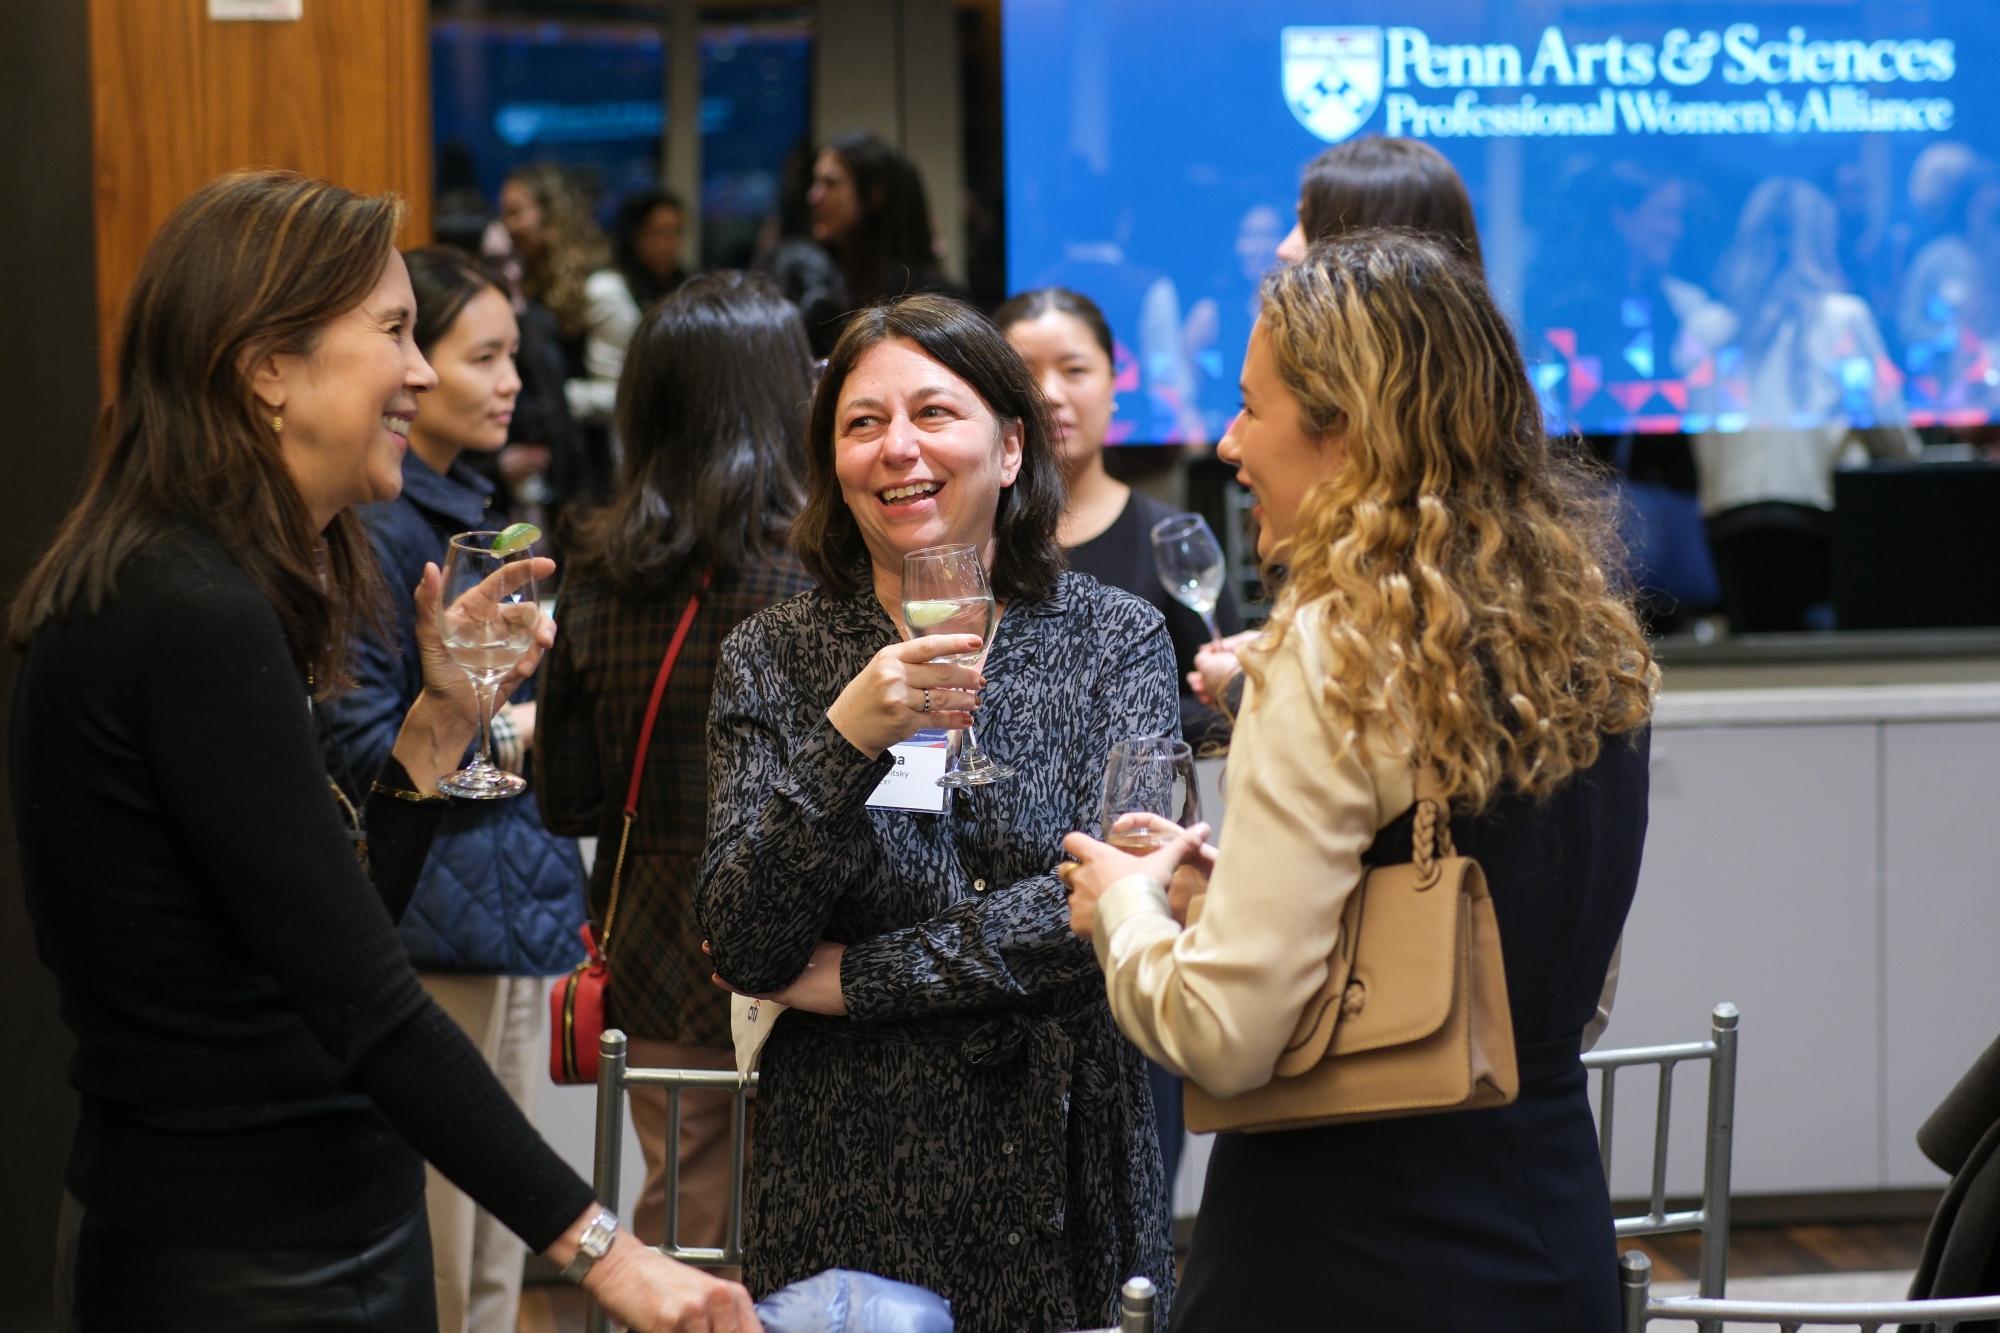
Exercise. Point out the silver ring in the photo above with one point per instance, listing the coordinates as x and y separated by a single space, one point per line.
927 701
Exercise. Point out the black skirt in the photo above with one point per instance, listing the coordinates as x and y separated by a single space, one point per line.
1492 1221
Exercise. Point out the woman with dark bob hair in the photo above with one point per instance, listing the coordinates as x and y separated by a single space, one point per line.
262 1076
947 1101
712 409
1377 182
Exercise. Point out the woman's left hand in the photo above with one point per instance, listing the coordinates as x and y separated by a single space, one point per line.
444 720
815 990
1099 865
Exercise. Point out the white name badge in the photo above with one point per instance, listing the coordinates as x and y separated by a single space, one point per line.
913 783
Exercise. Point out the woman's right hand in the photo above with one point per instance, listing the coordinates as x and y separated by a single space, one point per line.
643 1290
1215 663
885 704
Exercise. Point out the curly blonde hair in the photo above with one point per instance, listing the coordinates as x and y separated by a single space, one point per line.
1460 566
573 247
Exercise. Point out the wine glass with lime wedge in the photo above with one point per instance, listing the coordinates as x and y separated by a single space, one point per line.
487 618
945 591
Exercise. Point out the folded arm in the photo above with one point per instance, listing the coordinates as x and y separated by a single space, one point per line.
786 830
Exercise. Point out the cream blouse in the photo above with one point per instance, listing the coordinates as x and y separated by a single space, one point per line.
1217 1002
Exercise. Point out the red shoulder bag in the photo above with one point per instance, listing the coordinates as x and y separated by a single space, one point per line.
576 1004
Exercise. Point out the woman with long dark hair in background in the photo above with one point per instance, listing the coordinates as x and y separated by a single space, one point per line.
261 1074
870 212
712 410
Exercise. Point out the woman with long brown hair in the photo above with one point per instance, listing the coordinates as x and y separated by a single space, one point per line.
1451 605
713 414
261 1075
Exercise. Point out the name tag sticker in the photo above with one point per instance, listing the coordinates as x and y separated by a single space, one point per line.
913 783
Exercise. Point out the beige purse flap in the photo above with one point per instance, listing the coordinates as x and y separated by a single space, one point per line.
1409 929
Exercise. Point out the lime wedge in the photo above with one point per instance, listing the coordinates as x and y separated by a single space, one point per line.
517 538
922 615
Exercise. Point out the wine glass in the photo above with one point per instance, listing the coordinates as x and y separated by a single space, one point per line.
1190 563
945 592
1149 775
487 618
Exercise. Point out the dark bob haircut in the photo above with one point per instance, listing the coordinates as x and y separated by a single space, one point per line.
1377 182
712 410
1044 300
1026 558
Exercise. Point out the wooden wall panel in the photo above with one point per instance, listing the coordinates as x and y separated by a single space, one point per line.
178 99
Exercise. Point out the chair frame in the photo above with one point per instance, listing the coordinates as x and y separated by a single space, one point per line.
1640 1307
613 1077
1712 1218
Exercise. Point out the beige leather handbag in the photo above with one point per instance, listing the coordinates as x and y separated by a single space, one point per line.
1413 1018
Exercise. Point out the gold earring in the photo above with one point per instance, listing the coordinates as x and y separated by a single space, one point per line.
277 424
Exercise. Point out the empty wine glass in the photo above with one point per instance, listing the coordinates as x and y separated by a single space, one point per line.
1190 563
945 591
487 618
1149 775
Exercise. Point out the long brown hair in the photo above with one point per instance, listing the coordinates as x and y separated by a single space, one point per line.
573 247
712 410
254 264
1459 570
1026 557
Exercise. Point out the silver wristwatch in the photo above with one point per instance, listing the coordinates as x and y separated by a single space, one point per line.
595 1244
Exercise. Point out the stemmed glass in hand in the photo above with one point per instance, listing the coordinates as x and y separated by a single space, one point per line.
487 619
1148 785
945 591
1190 563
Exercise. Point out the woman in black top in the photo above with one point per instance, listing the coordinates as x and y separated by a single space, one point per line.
261 1074
1107 529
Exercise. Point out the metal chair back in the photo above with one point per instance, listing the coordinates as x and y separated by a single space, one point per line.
1640 1307
1711 1219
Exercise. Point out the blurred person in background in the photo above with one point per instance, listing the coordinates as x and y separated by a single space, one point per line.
869 211
712 412
262 1075
1811 352
566 266
647 245
801 268
1364 183
497 907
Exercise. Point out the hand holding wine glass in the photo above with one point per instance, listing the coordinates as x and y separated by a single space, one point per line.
487 620
945 591
1190 564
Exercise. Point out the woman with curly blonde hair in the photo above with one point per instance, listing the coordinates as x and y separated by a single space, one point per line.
1452 602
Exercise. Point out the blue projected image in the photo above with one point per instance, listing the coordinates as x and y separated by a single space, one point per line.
1699 217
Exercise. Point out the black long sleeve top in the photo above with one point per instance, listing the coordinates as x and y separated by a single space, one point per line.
255 1056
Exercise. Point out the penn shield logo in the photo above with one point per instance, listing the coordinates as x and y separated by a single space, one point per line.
1333 78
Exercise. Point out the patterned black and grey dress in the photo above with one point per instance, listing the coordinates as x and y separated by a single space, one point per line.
976 1124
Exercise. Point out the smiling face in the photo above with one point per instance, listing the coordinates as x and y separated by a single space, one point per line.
477 382
833 198
1075 376
347 405
920 457
1275 457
